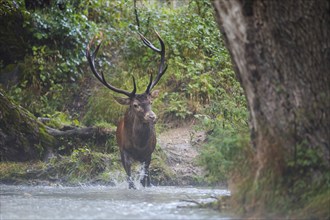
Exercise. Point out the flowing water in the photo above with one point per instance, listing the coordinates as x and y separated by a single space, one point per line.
105 202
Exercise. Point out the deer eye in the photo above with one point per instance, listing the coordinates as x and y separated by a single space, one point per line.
135 105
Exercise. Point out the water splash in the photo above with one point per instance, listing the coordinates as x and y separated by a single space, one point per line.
119 178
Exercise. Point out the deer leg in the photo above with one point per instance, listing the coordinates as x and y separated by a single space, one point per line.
145 181
127 162
129 178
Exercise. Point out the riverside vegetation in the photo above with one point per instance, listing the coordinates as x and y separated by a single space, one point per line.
45 71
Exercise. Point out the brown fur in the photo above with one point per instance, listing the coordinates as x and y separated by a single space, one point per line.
136 136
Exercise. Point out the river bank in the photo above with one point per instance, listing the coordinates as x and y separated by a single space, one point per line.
174 163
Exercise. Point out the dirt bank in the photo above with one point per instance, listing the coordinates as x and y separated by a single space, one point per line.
181 145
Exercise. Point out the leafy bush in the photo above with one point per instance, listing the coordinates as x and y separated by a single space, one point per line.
82 165
223 153
54 75
103 108
60 119
55 37
53 41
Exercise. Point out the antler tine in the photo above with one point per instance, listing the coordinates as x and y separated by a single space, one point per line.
149 85
100 77
150 45
161 51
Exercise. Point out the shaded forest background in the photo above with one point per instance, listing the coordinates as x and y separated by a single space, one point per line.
44 70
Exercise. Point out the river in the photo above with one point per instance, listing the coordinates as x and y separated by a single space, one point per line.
105 202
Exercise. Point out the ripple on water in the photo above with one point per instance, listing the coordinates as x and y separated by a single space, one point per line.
103 202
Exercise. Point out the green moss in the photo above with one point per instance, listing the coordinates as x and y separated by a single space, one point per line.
317 207
46 138
58 120
268 192
24 137
105 125
81 166
12 172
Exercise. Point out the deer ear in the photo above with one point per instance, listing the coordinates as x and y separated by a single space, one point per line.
122 101
154 94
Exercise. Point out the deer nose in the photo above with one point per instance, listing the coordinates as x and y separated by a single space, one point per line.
150 116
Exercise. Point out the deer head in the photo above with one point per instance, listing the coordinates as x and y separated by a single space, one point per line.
139 104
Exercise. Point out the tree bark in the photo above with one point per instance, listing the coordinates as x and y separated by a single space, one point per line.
22 137
70 138
74 132
281 55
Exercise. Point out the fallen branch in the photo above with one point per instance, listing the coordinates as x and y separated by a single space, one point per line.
70 137
191 201
81 132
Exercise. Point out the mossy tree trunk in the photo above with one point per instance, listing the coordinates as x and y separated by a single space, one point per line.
22 137
281 54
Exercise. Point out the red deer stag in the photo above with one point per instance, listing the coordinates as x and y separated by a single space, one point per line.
136 136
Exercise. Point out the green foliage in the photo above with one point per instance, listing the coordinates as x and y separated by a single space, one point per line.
304 177
60 119
223 153
18 171
317 207
54 42
103 108
57 36
199 83
177 107
82 165
23 137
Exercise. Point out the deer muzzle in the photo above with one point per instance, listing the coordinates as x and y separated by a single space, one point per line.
150 117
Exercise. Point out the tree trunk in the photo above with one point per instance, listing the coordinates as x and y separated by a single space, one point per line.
22 137
281 55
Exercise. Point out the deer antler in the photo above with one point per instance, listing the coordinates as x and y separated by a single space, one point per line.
100 77
162 66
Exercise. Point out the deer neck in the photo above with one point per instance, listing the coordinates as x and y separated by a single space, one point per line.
140 131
